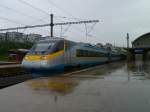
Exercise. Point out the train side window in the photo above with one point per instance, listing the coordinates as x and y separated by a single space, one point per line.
86 53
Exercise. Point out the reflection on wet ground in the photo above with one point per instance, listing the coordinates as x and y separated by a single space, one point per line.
55 85
122 72
115 87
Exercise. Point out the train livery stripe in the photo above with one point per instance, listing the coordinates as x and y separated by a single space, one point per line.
42 57
51 56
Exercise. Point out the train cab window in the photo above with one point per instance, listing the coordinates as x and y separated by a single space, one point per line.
41 48
58 47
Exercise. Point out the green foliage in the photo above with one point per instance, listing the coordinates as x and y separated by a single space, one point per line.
5 46
4 57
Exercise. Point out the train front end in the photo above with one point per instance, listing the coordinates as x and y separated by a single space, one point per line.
45 55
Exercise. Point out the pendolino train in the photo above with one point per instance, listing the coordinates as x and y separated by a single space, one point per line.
58 53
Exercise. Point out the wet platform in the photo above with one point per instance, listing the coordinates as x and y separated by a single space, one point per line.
118 87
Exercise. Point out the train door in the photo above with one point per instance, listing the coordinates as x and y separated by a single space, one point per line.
67 52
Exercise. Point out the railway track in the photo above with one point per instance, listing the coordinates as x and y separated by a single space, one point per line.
11 79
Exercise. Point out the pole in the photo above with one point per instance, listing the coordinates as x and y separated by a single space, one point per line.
127 40
51 24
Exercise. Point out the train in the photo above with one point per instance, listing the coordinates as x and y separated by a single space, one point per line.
59 53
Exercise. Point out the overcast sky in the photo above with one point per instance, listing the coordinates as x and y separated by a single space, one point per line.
117 17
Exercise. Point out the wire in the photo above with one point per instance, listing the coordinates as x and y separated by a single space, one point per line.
65 30
12 21
63 10
79 30
19 12
38 9
91 29
58 7
72 16
42 19
9 20
69 18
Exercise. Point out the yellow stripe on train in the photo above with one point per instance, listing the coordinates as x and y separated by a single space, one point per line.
43 57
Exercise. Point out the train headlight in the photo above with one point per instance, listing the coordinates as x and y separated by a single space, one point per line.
44 58
26 58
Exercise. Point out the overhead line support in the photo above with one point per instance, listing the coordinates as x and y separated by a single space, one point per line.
45 25
51 24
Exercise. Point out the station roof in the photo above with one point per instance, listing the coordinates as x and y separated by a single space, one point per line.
147 35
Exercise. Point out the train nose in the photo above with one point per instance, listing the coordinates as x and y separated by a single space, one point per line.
34 65
34 61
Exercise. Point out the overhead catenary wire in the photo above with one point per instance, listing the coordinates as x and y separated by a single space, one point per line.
15 22
79 22
72 17
74 27
51 2
21 13
10 20
65 30
43 11
22 1
33 7
91 29
63 10
36 8
64 17
58 7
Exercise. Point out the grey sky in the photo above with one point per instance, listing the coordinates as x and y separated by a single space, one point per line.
117 17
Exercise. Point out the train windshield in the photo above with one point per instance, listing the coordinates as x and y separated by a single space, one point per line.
42 48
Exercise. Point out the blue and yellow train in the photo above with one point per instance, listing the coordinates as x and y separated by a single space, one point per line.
58 53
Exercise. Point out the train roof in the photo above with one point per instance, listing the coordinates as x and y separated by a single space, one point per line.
52 38
88 45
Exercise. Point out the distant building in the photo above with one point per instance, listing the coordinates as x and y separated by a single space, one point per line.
108 45
11 36
142 41
14 36
2 36
32 37
20 37
99 45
